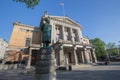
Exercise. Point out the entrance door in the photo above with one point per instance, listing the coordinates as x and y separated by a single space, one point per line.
70 57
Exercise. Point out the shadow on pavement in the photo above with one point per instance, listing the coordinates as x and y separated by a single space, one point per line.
89 75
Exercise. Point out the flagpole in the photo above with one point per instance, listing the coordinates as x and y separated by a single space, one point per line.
63 11
63 7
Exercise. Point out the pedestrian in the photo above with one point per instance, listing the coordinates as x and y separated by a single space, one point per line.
106 61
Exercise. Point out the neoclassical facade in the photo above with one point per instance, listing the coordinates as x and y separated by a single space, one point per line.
69 45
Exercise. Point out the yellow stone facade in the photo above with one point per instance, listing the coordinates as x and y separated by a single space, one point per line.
17 45
21 32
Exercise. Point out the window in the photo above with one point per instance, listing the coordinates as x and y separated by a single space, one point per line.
68 38
27 42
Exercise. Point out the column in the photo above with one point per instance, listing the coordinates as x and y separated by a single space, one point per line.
66 59
66 62
75 56
56 57
61 56
63 33
71 34
82 57
54 33
80 34
29 59
94 56
85 56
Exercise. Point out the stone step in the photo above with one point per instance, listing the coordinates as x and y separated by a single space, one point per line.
77 67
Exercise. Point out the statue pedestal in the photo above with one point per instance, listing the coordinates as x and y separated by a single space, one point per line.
45 65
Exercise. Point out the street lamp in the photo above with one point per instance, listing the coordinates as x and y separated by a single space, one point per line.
118 50
27 44
107 55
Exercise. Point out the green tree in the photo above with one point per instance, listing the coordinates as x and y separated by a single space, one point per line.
111 49
29 3
99 47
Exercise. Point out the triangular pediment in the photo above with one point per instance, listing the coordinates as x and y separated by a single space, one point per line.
66 19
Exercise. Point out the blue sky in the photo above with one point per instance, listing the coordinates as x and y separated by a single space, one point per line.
99 18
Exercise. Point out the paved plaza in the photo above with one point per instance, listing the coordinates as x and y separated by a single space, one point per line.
99 72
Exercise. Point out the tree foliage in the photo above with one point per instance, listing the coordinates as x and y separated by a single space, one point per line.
29 3
111 49
99 47
110 46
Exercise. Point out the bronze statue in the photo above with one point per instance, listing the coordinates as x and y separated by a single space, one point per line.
46 30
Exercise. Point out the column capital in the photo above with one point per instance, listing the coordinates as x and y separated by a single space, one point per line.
75 48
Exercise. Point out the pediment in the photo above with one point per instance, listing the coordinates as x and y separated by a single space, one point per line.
66 19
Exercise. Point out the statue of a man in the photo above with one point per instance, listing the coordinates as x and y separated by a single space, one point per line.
46 30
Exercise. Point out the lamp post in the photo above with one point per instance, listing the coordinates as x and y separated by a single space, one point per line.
107 55
118 50
28 40
27 44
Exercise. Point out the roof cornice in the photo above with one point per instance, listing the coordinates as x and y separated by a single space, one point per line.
24 25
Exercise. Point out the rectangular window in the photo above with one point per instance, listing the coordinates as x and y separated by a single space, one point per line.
27 42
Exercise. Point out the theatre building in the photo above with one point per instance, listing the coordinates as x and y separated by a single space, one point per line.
70 46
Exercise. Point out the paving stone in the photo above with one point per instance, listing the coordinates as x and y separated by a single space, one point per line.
99 72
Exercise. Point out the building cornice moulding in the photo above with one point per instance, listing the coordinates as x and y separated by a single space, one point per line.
24 25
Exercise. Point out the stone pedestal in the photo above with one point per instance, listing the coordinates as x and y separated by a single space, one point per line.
45 65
